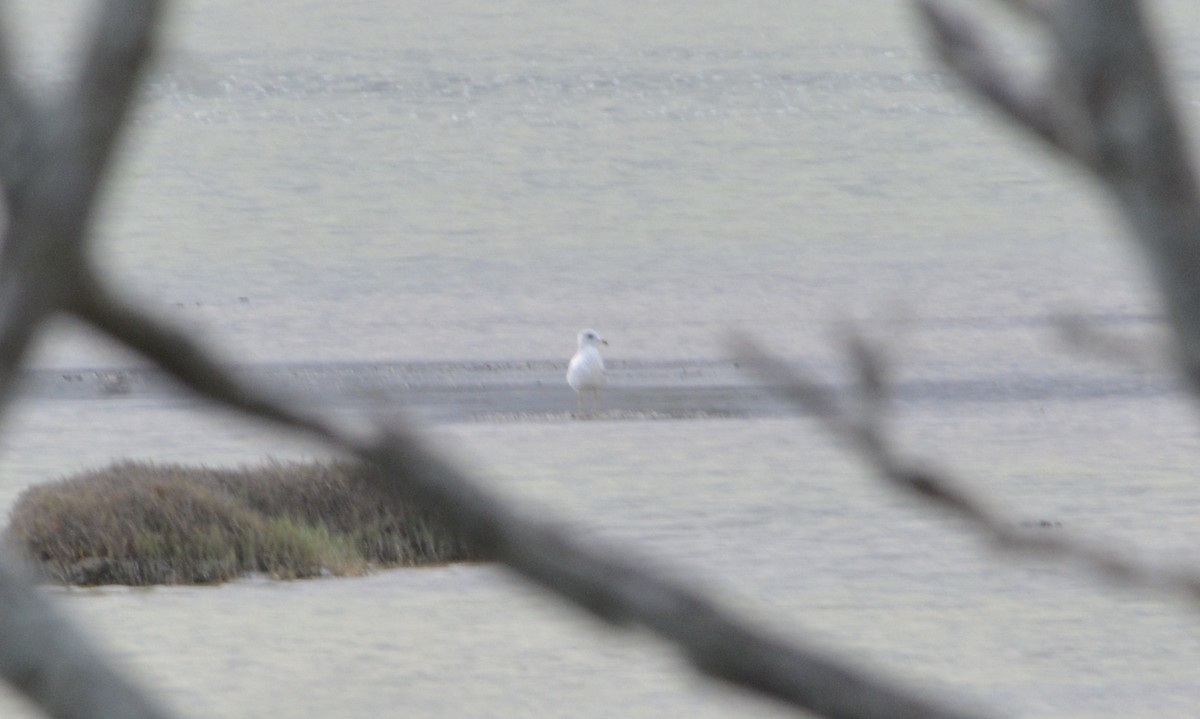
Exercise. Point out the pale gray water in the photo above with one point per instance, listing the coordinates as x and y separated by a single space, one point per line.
465 183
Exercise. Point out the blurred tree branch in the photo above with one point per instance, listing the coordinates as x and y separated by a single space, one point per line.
841 413
52 162
1102 103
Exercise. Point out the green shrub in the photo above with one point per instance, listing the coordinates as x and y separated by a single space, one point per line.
144 523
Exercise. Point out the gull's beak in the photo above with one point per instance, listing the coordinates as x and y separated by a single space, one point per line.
603 342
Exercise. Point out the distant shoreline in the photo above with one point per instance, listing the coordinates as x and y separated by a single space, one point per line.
535 390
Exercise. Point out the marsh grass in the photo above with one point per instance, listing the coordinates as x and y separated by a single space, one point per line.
143 523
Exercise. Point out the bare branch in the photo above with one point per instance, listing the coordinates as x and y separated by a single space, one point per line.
190 363
942 490
52 165
50 662
17 120
865 436
962 46
611 586
1109 109
110 75
604 582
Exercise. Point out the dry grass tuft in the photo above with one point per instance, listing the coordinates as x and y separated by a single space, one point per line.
143 523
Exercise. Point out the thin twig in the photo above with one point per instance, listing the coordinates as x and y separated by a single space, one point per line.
917 477
963 46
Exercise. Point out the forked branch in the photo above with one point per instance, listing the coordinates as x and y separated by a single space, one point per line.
1102 101
869 439
52 161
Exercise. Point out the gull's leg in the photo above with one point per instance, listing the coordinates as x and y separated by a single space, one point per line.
579 400
596 400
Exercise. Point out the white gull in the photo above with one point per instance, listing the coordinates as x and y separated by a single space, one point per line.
586 371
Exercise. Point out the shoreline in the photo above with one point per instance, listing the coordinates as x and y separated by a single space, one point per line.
535 390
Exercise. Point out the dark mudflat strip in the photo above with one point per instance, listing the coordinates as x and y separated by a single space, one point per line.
535 390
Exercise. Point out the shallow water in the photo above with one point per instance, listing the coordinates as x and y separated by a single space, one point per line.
352 182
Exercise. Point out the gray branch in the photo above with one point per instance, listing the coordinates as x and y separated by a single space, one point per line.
603 581
44 657
52 164
1106 106
854 416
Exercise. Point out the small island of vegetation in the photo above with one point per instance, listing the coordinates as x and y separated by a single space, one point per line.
142 523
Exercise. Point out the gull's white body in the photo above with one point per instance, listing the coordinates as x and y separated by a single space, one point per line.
586 372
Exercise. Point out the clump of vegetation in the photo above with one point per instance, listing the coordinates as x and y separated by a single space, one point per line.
143 523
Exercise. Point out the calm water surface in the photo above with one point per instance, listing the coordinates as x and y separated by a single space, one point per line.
391 181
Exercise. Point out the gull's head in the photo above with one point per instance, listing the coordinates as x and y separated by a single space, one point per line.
590 338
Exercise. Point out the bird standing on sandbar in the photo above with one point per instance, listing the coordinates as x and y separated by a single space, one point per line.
586 371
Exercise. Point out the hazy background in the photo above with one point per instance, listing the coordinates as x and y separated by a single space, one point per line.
464 180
